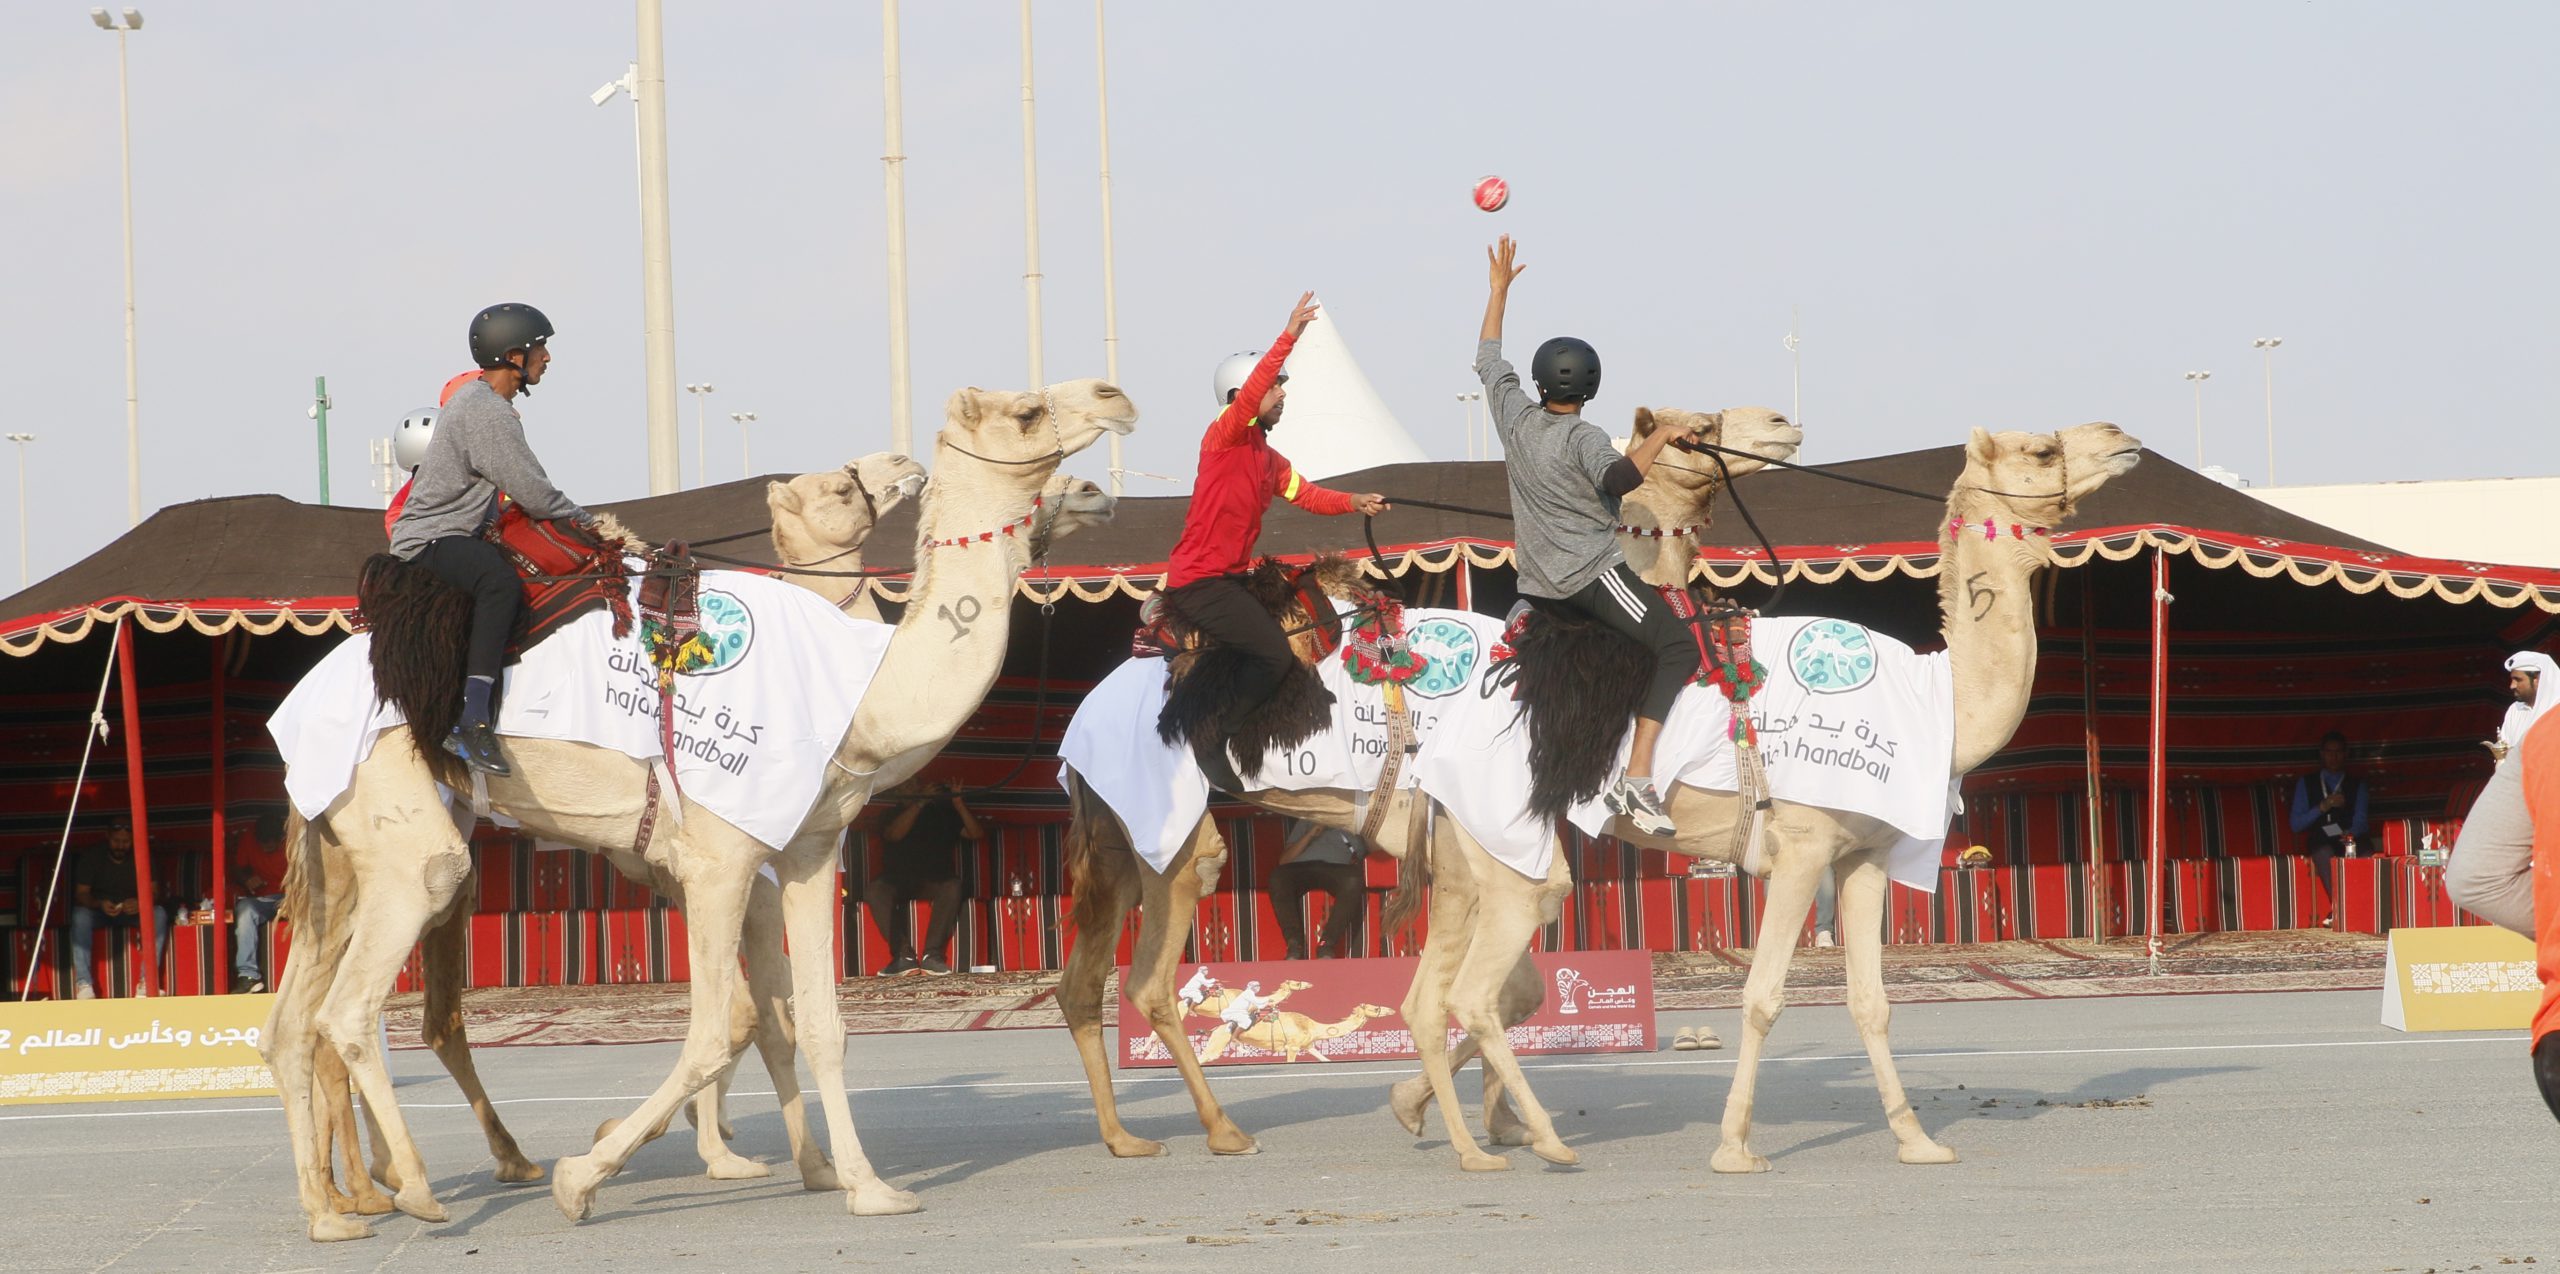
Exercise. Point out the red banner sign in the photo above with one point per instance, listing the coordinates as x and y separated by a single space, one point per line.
1346 1010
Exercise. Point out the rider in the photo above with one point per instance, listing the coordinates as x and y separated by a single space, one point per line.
477 454
1245 1009
409 446
1566 480
1239 475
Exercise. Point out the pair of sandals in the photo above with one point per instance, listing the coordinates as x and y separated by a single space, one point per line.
1689 1039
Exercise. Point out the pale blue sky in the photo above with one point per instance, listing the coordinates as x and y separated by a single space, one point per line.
2011 215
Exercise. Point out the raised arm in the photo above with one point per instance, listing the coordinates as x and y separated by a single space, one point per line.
1228 429
1498 259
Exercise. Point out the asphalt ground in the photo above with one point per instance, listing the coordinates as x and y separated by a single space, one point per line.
2240 1132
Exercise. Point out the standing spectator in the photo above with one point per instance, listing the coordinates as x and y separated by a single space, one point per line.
2329 815
2525 670
257 879
1319 859
920 859
102 897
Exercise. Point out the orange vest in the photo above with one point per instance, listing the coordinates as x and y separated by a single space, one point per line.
2542 803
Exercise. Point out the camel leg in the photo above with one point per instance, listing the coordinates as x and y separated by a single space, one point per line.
443 1029
1509 909
289 1045
1522 992
715 906
809 893
332 1096
1170 901
1426 1005
1862 892
394 903
1803 853
768 982
1106 889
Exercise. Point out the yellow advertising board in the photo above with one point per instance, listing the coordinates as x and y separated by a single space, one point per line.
2459 978
124 1050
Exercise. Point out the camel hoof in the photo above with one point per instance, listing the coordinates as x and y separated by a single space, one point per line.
879 1198
1134 1148
339 1229
372 1204
820 1178
1927 1152
1737 1159
1233 1142
1509 1135
422 1205
1409 1101
735 1168
518 1172
573 1185
1479 1161
1557 1153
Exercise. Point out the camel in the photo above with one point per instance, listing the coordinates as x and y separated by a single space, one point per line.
820 521
1289 1034
985 508
1111 877
2021 484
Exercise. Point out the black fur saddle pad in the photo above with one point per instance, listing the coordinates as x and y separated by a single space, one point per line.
1200 702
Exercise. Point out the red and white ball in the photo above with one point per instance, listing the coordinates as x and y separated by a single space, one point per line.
1492 193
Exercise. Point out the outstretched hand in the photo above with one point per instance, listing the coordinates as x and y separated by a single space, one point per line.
1370 505
1303 313
1499 258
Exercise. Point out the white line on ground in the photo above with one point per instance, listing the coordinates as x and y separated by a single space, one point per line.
1243 1073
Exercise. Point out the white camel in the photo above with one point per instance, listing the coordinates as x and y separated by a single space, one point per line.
2022 485
984 508
1110 877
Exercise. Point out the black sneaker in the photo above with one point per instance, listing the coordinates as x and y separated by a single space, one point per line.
934 965
1640 806
900 967
477 745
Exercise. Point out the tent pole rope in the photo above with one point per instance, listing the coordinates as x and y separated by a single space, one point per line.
61 851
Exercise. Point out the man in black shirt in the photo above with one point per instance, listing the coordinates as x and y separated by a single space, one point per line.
102 897
920 859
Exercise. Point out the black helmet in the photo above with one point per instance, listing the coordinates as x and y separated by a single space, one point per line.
1567 370
501 330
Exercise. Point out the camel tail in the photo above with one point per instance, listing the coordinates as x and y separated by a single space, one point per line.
1404 902
1088 822
303 885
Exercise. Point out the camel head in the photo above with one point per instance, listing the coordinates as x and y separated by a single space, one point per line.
1295 985
832 512
1370 1012
1687 482
1030 430
2036 479
1073 505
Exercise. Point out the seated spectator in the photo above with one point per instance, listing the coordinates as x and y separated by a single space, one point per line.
103 897
2329 816
1319 859
257 879
920 859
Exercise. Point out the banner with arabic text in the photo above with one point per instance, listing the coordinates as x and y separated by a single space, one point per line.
122 1050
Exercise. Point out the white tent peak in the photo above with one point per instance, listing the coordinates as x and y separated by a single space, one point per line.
1335 422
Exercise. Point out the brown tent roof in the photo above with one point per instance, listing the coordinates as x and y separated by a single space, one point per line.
263 561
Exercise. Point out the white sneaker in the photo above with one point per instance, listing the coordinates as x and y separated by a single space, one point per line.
84 991
1640 806
1822 938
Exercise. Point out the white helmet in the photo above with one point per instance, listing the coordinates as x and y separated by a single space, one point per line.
409 441
1232 372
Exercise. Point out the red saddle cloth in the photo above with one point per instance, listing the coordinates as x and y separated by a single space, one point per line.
567 571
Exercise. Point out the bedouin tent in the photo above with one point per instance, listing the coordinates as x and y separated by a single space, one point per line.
2158 740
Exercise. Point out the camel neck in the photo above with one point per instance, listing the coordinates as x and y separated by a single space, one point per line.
1986 603
1659 533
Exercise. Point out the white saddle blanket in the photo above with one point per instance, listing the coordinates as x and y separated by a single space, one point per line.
1159 792
1849 720
752 732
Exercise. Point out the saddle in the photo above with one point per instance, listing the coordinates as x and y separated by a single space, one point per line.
1204 674
1582 682
421 625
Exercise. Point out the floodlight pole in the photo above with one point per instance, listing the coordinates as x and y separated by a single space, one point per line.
1110 295
2267 345
320 421
130 23
657 264
1030 205
901 404
2198 379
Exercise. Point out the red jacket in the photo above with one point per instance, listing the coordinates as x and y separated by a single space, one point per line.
1239 474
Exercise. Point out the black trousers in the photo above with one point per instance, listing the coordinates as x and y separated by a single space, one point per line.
888 895
477 567
1631 606
2324 864
1292 882
1223 608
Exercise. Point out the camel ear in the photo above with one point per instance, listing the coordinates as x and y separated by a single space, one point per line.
1715 423
779 497
1980 449
1644 422
962 409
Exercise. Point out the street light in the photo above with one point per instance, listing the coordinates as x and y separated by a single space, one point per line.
2198 379
2267 346
746 467
701 460
1466 404
22 440
131 23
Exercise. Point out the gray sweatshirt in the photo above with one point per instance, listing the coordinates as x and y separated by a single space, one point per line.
478 451
1564 521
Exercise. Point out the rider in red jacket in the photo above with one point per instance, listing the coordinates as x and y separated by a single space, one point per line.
1239 476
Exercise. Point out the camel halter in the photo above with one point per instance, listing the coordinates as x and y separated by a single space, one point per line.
1057 439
